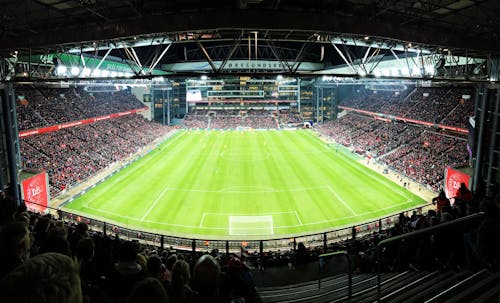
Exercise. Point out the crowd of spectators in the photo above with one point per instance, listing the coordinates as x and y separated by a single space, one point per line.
42 107
72 155
231 119
441 105
417 153
45 259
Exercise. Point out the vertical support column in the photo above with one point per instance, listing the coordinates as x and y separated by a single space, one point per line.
10 141
298 94
490 179
227 249
162 242
325 245
168 107
481 125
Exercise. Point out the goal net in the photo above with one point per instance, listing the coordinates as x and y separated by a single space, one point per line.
250 225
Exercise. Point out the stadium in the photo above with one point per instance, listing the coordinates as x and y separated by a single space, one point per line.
252 151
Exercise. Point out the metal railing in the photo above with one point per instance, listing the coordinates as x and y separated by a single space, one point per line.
349 269
194 243
417 235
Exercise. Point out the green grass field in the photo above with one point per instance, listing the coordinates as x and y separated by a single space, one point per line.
224 184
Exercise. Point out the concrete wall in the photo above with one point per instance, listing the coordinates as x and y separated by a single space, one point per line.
138 92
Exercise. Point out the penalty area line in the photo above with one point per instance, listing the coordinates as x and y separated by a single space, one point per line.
298 218
154 203
340 199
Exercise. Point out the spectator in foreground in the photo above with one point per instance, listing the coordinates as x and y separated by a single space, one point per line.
46 278
180 291
148 290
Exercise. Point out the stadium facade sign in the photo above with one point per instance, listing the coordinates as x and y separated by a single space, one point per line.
241 65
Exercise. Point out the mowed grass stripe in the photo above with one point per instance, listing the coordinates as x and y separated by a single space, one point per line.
245 173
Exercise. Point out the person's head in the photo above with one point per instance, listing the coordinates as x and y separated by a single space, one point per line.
180 274
154 265
442 194
85 249
206 276
128 252
171 261
148 290
15 240
49 277
8 208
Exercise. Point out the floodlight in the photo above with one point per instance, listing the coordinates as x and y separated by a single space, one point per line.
61 70
113 74
104 73
86 72
75 71
204 77
96 73
279 77
362 73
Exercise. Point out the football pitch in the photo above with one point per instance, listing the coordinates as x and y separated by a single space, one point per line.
238 184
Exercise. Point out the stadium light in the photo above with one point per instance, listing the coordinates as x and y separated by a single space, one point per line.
61 70
120 74
204 77
279 77
113 74
429 70
96 73
415 72
405 71
75 71
376 73
362 73
104 73
86 72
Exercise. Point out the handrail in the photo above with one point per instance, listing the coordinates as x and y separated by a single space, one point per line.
416 234
349 269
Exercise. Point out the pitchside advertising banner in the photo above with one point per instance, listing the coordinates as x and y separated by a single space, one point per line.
453 179
35 191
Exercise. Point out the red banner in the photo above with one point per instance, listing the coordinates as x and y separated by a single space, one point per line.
453 179
53 128
35 192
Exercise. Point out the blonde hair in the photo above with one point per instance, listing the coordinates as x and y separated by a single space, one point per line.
49 277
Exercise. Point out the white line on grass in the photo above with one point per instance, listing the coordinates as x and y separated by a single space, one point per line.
298 218
154 203
202 219
225 228
341 200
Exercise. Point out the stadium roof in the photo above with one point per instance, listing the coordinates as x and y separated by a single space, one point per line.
213 30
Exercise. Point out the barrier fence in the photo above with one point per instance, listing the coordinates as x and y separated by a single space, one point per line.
318 240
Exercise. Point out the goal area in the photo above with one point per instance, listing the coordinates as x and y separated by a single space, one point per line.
250 225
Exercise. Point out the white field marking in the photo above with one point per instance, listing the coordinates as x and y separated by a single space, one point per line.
202 219
251 219
154 203
298 218
131 170
246 214
378 179
347 217
266 189
149 221
225 228
341 200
